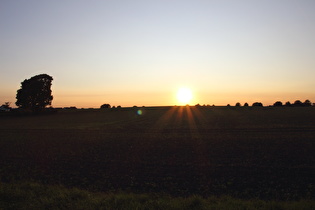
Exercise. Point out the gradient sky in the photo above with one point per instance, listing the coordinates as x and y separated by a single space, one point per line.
140 52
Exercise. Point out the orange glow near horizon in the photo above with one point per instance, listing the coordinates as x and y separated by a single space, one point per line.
164 98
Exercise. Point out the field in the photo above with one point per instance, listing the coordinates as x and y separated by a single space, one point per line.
263 153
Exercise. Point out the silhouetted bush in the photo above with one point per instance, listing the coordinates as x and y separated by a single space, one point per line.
278 103
246 104
71 107
238 104
257 104
5 107
307 103
297 103
288 103
105 106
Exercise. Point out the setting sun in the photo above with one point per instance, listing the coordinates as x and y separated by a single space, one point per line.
184 95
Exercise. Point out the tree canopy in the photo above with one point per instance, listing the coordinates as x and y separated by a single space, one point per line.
105 106
278 103
257 104
35 93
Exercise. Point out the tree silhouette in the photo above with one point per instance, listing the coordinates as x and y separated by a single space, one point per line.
288 103
105 106
257 104
307 103
246 104
35 93
238 104
278 103
298 103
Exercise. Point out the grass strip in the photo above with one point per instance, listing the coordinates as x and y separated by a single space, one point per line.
29 195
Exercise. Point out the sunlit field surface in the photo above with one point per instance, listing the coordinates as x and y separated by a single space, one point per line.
243 152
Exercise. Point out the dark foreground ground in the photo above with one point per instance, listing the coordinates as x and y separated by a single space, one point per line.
245 152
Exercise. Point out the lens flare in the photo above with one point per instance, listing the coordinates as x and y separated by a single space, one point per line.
139 112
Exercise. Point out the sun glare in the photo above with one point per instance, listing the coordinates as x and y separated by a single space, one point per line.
184 95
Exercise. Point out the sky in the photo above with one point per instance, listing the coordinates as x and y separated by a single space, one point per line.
141 52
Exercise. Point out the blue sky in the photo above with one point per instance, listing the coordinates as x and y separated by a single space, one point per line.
140 52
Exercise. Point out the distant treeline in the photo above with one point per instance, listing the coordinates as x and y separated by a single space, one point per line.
307 103
296 103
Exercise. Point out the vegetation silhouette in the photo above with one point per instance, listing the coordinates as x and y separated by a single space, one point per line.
288 103
307 103
105 106
297 103
35 93
257 104
278 103
5 107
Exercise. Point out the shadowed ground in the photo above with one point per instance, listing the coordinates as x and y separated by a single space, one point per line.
239 151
